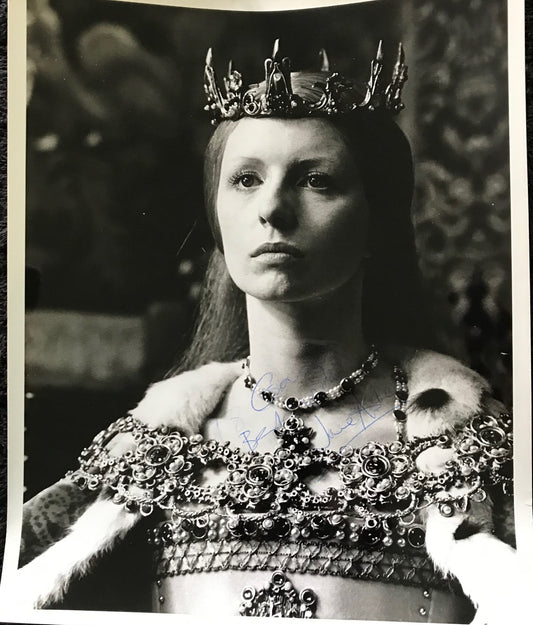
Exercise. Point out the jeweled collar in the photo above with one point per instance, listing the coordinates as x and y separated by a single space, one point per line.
264 495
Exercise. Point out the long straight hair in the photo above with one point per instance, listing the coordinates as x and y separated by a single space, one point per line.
393 308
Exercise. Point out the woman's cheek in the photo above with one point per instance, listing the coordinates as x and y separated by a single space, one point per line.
341 224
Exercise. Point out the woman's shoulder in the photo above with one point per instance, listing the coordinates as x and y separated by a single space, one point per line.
444 393
187 399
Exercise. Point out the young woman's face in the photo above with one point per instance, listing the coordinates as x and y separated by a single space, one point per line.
291 209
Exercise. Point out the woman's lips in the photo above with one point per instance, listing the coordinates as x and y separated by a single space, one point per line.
277 249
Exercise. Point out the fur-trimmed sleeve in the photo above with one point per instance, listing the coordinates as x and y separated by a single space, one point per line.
69 525
48 516
473 545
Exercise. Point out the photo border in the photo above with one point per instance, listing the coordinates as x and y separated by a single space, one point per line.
16 117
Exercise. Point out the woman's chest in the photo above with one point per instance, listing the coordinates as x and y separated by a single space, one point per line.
262 429
253 426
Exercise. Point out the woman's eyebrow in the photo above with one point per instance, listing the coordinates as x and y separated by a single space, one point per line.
317 160
239 161
321 160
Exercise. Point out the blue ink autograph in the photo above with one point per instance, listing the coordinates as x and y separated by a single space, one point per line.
354 420
265 383
263 432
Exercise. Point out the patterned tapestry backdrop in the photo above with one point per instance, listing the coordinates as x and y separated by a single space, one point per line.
116 133
462 205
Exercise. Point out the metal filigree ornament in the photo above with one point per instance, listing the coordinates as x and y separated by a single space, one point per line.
278 598
278 99
266 497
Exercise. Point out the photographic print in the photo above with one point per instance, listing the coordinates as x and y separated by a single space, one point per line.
273 325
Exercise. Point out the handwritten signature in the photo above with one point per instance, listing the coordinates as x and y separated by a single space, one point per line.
266 383
355 423
355 420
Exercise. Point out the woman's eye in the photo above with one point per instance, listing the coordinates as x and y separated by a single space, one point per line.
245 180
318 181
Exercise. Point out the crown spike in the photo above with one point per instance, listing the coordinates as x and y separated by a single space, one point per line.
401 54
230 67
399 73
209 57
275 50
324 67
379 54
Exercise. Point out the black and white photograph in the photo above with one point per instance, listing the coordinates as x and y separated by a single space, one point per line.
271 354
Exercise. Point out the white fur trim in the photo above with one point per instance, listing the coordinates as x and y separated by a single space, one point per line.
186 400
428 370
488 570
46 578
434 459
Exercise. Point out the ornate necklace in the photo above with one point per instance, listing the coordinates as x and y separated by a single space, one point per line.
319 398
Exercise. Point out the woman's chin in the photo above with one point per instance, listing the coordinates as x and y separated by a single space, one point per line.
277 293
279 288
277 285
285 291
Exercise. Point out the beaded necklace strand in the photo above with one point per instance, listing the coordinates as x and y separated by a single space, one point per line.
343 388
319 398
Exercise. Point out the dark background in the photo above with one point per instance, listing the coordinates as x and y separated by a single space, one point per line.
116 237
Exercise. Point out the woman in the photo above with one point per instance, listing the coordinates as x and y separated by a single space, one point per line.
354 483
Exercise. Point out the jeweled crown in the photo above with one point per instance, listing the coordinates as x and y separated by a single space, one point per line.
339 95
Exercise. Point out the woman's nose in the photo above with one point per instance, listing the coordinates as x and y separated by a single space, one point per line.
277 207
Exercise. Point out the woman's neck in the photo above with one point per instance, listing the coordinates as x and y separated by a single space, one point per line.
305 346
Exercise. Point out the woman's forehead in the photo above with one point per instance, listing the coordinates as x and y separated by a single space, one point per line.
284 139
